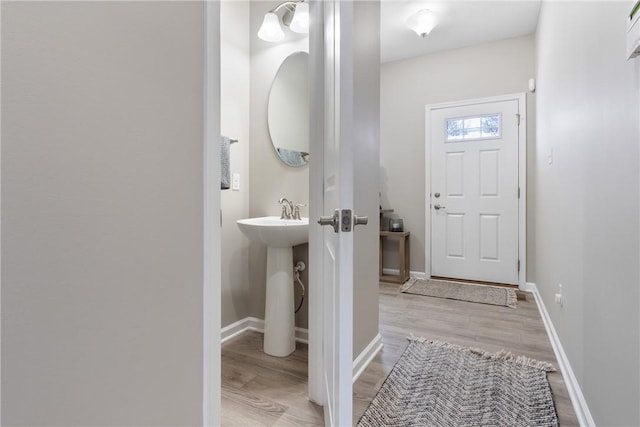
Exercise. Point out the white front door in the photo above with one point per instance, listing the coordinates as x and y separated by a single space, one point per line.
474 191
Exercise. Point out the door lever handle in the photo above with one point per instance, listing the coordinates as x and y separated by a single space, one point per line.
438 207
333 220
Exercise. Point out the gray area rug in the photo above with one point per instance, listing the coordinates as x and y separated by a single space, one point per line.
439 384
485 294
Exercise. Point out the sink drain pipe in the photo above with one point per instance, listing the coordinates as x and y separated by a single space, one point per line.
296 272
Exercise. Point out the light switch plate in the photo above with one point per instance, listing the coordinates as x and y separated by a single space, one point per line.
235 181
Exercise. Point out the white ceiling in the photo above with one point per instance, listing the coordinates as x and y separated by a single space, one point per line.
461 23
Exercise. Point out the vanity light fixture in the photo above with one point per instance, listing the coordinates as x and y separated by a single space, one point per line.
422 22
270 30
296 17
300 21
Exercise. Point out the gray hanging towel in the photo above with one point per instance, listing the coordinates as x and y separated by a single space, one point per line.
225 168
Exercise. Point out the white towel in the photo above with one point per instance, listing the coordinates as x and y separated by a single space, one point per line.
225 168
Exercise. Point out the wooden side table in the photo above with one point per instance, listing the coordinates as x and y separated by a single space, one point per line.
404 256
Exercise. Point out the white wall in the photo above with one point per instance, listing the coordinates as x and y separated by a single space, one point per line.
496 68
366 173
235 83
270 179
249 66
585 212
102 213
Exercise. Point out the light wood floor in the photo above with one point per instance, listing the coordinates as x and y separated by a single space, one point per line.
260 390
483 326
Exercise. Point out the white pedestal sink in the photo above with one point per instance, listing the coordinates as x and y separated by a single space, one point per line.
280 236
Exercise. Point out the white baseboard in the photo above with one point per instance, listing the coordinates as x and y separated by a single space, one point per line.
257 325
366 356
415 274
302 335
575 392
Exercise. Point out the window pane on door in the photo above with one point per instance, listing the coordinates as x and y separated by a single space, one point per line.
491 126
473 128
454 129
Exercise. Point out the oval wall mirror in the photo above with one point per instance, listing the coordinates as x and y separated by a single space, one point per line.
288 110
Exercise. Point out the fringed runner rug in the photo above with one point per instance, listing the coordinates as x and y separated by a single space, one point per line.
485 294
435 383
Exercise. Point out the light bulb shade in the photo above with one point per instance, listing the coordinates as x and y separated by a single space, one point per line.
422 22
300 21
270 30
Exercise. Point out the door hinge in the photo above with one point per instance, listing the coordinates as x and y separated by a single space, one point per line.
518 192
518 266
518 117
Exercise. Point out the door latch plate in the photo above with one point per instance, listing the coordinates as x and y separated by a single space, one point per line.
346 220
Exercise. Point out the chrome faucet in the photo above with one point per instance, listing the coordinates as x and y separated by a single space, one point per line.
296 211
287 208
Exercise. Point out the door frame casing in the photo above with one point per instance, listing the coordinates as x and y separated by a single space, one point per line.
316 204
522 176
211 292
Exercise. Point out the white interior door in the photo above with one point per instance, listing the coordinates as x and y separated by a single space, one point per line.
331 180
344 126
338 194
475 191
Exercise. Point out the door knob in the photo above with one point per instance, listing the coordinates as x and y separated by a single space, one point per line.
437 195
438 207
360 220
333 220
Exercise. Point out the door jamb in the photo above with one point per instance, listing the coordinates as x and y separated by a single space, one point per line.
316 201
522 177
211 351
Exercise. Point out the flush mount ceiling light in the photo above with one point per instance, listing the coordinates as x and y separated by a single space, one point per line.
422 22
296 17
